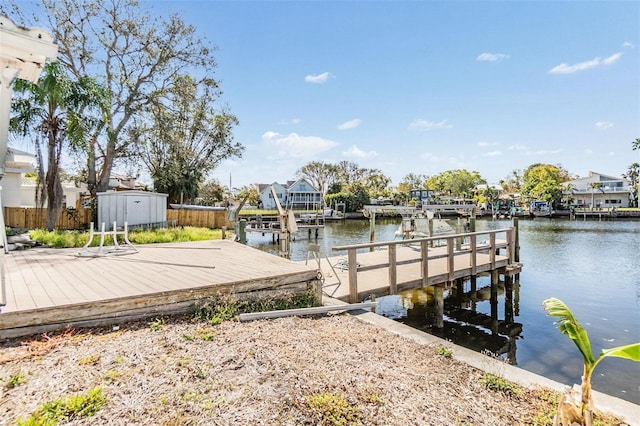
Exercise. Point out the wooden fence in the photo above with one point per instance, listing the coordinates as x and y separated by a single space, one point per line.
33 218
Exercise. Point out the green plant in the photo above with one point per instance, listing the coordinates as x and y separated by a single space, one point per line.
73 407
445 352
568 412
15 380
333 409
498 384
89 360
157 324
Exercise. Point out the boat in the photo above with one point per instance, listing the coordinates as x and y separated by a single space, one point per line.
540 209
418 226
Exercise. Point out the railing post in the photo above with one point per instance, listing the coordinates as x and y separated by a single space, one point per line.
353 276
424 258
492 249
393 276
510 250
450 262
472 256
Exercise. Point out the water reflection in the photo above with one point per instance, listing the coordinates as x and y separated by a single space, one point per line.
459 319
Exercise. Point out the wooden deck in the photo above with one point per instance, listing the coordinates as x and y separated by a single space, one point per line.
48 288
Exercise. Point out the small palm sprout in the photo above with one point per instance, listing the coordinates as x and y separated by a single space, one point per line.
570 413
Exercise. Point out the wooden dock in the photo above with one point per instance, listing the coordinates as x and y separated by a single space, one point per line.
383 268
48 289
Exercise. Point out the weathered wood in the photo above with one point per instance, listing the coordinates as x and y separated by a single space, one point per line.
438 265
48 287
305 311
393 275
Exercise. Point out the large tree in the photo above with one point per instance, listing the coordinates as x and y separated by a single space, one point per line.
53 110
633 174
182 137
136 53
544 182
321 175
455 183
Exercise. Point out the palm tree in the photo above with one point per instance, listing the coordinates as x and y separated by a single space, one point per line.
50 111
636 144
594 186
633 174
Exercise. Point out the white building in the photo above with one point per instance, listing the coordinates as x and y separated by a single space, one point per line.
19 183
300 195
599 191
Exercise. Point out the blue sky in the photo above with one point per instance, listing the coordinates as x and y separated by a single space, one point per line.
424 87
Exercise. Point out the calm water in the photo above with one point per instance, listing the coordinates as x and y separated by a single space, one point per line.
594 267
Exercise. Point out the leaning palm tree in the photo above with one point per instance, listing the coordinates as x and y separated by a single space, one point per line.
50 112
570 413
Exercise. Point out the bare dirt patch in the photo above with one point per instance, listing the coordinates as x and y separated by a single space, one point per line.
288 371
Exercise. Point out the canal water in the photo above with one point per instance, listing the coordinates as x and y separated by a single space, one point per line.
594 267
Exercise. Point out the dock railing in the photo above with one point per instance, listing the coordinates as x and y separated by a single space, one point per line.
431 248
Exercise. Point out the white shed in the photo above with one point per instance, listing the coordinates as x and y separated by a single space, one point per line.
137 208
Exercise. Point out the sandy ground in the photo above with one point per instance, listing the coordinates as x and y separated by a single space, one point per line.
288 371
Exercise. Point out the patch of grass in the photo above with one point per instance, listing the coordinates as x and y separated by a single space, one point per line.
204 334
69 409
157 324
445 352
498 384
69 239
111 375
89 360
15 380
333 409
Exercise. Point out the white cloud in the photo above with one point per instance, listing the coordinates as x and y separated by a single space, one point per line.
318 79
492 57
493 154
588 151
517 147
628 44
612 59
545 152
564 68
604 124
296 146
351 124
356 152
420 124
485 144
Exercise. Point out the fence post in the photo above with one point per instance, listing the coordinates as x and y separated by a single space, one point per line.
424 257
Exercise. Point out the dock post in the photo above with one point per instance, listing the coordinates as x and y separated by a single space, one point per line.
242 233
372 228
438 294
516 239
472 221
353 275
224 232
393 275
424 258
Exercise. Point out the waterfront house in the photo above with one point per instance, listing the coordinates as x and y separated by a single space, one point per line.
599 191
295 195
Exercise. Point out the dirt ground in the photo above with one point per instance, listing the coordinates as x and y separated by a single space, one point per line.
329 370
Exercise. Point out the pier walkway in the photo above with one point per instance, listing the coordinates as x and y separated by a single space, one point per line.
389 267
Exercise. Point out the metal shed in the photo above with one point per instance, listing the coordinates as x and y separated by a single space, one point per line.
137 208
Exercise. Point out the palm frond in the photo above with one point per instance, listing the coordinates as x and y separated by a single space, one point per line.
569 325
